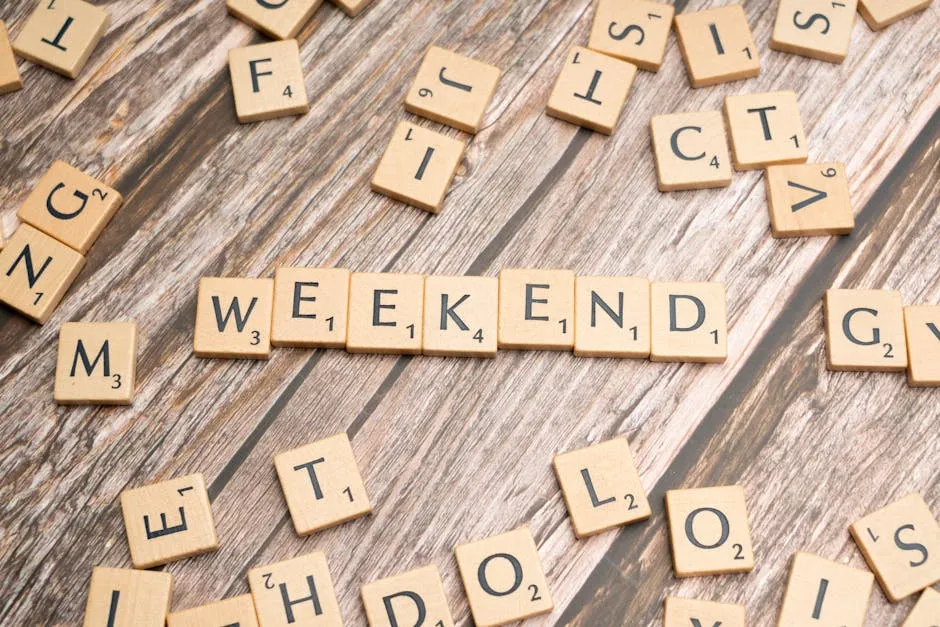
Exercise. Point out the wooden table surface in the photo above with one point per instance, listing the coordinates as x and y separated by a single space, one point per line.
459 449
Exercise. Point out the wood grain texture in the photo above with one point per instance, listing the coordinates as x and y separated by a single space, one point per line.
451 449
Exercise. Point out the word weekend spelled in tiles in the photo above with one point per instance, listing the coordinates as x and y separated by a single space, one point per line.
268 81
415 597
612 317
809 199
61 35
591 89
922 328
708 531
865 330
236 611
692 612
280 19
690 150
452 89
536 309
10 79
824 593
814 29
601 486
168 521
717 45
461 314
635 31
123 597
766 129
926 611
386 312
881 13
689 322
418 166
233 318
503 578
297 591
97 363
310 307
322 484
901 544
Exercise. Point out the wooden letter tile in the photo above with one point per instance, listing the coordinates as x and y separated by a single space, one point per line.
865 330
814 29
321 484
298 591
310 307
611 317
279 19
418 167
536 309
692 612
824 593
809 199
406 597
922 327
591 90
602 487
691 150
233 318
168 521
61 35
9 74
632 30
233 612
689 322
123 597
97 363
766 129
385 313
35 272
901 544
352 8
268 81
503 578
926 613
452 89
460 315
70 206
881 13
717 45
708 531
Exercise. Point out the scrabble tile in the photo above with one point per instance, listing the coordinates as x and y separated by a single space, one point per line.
321 484
536 309
881 13
865 330
280 19
695 613
766 129
601 486
717 45
632 30
452 89
97 363
406 598
385 313
926 613
35 272
352 8
611 316
824 593
922 328
418 167
61 35
901 543
689 322
460 315
233 318
809 199
268 81
233 612
297 591
691 151
310 307
70 206
503 578
591 89
123 597
9 74
168 521
814 29
708 531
